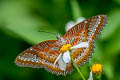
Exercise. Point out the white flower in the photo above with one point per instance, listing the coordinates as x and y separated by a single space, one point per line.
71 24
65 58
80 19
90 76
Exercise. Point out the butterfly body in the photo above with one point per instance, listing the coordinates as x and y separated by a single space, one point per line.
45 53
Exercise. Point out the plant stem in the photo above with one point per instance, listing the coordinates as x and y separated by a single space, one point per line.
98 76
75 65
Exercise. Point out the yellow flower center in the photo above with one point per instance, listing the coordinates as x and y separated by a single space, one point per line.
66 47
96 68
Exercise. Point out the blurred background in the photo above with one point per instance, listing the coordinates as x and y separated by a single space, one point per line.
21 23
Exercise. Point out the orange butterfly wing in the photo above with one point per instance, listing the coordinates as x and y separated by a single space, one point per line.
86 31
42 55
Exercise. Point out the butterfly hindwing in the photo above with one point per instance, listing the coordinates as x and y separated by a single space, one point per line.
86 31
42 55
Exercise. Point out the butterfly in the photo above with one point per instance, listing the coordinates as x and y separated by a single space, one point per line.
44 54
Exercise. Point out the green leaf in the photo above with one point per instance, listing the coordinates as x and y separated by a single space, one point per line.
76 11
113 23
108 70
112 46
97 55
117 1
16 19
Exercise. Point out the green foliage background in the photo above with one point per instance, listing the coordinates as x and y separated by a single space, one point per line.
22 20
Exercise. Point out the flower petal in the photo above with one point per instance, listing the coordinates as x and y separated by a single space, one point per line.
69 25
62 64
80 45
80 19
66 57
90 76
58 58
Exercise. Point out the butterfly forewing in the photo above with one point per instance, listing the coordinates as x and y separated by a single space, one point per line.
86 31
41 55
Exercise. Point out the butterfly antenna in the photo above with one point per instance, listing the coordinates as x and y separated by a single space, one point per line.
62 23
61 28
47 32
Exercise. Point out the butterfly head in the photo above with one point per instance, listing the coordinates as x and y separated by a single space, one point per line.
60 39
